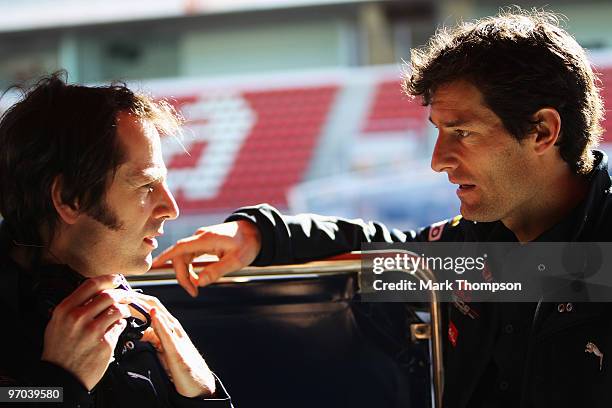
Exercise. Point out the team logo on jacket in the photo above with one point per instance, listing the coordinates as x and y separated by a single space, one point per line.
453 333
487 276
461 305
435 231
593 349
455 221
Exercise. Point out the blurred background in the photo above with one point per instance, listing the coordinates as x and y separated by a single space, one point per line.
292 102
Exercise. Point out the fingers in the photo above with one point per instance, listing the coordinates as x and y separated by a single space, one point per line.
164 331
194 245
105 320
151 302
193 277
214 271
149 336
102 301
88 289
162 258
184 270
93 308
114 331
135 312
201 230
236 244
185 366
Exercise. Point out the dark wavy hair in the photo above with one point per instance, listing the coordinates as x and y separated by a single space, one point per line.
521 61
67 131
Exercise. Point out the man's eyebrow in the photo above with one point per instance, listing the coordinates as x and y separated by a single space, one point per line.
149 174
452 123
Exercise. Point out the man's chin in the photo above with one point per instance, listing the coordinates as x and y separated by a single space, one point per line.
140 266
477 214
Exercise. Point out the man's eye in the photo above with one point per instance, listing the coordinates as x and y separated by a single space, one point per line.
462 133
148 187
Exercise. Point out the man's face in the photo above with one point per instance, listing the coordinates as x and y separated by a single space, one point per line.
120 237
494 172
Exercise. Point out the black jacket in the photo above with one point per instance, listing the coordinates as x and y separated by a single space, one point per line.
135 379
495 354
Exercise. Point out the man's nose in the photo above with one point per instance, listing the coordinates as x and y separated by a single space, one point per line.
443 157
168 208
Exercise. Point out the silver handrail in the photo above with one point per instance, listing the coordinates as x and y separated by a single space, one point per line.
434 332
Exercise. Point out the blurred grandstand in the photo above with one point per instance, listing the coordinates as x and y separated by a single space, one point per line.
292 102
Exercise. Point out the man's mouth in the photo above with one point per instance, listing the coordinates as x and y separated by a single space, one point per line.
151 240
465 189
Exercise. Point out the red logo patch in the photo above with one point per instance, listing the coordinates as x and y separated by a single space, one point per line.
452 333
486 273
435 231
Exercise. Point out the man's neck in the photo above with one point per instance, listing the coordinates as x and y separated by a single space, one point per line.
50 255
549 206
60 252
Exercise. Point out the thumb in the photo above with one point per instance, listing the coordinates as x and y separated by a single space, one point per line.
114 331
214 271
150 337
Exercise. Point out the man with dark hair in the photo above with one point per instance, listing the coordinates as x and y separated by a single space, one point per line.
518 113
83 195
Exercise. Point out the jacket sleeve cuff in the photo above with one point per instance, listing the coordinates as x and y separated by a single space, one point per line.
263 216
75 393
220 399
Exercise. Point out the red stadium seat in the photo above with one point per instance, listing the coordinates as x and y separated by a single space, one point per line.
271 158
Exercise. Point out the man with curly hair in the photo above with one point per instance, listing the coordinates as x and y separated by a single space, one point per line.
518 115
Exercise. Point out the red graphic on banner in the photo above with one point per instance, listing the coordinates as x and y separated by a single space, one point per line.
248 147
393 111
180 161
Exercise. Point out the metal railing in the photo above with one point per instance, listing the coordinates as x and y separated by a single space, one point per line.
339 265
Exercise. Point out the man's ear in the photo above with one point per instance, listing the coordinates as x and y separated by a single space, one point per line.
68 212
546 130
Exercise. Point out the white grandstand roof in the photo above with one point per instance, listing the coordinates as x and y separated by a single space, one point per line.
39 14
